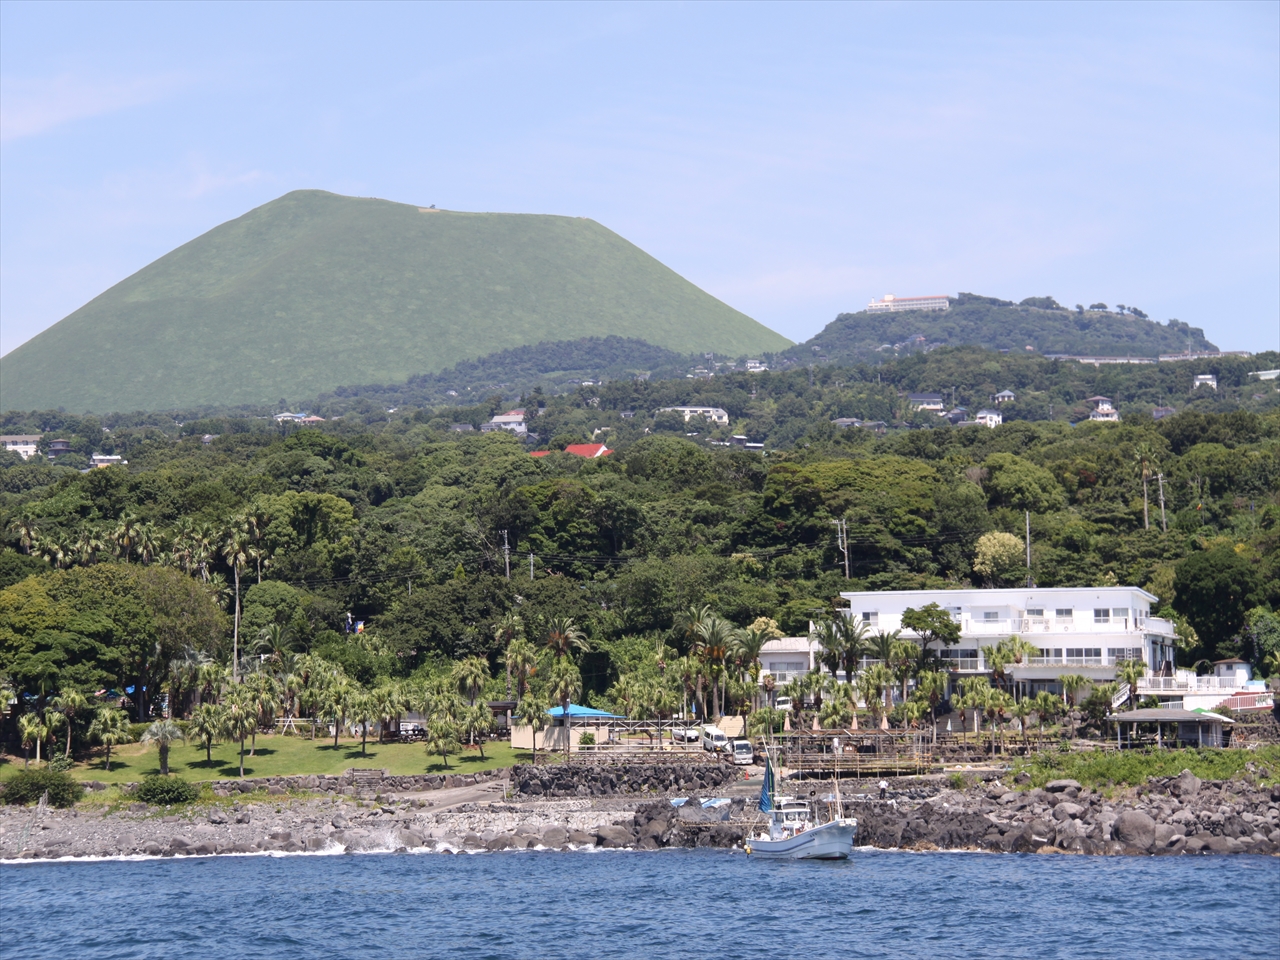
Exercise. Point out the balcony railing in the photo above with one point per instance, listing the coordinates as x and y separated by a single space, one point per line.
1070 662
1188 685
1030 626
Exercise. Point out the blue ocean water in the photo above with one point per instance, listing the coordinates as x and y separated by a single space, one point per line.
677 904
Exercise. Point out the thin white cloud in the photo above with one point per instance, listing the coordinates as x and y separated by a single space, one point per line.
30 107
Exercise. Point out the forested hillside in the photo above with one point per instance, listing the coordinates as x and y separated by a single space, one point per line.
1038 323
393 520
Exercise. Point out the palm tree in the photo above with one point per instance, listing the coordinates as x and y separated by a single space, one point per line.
1047 707
26 529
831 642
532 713
932 685
442 738
839 706
1131 672
363 708
564 636
389 704
854 635
1022 711
31 729
509 629
746 649
1145 459
477 721
235 547
521 661
471 675
1071 684
240 718
713 638
338 694
69 703
125 536
205 726
265 692
147 542
563 685
882 647
110 727
275 641
163 733
976 690
872 684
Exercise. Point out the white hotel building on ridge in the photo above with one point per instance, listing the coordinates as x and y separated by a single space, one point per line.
1077 630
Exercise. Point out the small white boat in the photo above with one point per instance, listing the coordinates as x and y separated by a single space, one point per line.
793 833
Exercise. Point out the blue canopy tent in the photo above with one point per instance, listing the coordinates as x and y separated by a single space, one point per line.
579 712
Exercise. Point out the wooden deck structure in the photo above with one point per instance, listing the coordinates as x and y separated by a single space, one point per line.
855 753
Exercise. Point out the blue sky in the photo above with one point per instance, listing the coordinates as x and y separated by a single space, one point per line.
794 160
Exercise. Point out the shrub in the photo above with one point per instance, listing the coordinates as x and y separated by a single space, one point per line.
587 740
956 781
165 791
136 730
29 785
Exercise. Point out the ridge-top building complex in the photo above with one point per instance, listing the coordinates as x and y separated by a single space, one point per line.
892 304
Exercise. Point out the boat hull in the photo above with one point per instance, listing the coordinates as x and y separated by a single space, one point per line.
830 841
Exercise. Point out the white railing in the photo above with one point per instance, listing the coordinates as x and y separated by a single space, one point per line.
1070 662
1030 626
1188 685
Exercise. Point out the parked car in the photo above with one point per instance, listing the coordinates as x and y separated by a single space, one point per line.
742 752
686 734
714 739
784 703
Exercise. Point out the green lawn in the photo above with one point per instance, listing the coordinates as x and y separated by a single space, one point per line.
280 756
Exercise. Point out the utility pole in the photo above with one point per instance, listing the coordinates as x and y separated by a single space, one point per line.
1160 481
842 541
531 566
506 554
1030 582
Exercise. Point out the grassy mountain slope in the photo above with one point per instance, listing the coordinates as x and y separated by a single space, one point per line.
313 291
996 324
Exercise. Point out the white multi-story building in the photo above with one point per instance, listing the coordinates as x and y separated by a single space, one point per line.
989 418
1103 410
714 414
512 421
892 304
1075 630
1080 630
24 445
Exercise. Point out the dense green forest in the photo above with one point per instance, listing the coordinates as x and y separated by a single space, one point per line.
112 575
1036 324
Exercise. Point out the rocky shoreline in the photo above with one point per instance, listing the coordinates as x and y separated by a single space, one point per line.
1180 815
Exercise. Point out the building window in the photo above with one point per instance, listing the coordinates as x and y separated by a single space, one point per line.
1101 615
1063 613
989 615
1116 654
871 618
784 670
1120 613
1084 656
1051 655
1036 613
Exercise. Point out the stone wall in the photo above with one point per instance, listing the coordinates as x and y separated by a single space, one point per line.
364 784
630 779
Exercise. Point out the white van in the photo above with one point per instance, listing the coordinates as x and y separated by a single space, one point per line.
784 703
743 753
713 738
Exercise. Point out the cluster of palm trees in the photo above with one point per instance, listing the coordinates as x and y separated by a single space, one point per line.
303 690
240 543
107 724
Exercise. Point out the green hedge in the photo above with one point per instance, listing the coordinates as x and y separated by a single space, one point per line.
29 785
166 791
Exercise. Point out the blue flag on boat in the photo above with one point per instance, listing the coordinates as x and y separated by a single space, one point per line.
766 790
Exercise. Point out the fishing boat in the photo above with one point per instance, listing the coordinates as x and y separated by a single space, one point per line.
792 832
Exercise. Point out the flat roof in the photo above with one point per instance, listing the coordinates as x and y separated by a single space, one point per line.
1168 715
1027 593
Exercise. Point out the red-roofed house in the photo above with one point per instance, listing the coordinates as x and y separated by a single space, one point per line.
588 450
